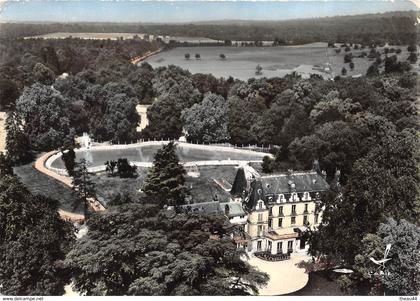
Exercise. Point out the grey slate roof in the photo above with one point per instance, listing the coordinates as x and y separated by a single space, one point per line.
235 209
207 208
303 182
274 185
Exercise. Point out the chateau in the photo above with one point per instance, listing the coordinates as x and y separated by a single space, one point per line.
279 208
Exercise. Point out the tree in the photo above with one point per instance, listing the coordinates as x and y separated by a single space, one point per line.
404 274
69 157
401 275
258 70
43 74
343 71
44 113
412 58
110 167
267 165
382 184
373 70
5 166
392 65
187 56
222 56
124 169
197 56
351 65
83 186
175 93
348 58
33 242
412 48
9 92
140 250
207 121
17 144
165 182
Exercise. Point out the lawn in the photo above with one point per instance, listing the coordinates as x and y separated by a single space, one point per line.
41 184
202 188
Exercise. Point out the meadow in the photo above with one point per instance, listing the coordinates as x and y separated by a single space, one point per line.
241 62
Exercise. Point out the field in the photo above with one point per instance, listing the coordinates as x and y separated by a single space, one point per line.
241 62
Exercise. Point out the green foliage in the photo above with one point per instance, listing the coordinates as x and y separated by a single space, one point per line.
43 74
17 144
267 165
83 186
9 92
124 169
33 242
165 182
6 168
69 157
207 121
141 250
175 93
44 112
393 65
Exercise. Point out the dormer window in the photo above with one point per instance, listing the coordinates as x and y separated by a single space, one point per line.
295 197
260 204
281 198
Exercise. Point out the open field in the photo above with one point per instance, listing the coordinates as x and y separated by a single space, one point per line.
241 62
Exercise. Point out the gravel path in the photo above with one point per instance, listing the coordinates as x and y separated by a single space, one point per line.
285 276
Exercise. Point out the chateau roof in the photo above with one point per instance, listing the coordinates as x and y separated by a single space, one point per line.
302 181
235 209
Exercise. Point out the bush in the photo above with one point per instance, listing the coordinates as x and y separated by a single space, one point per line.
125 170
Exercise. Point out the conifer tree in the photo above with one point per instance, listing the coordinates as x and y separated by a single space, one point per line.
165 182
83 186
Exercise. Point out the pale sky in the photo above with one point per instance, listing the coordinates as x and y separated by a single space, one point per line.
186 10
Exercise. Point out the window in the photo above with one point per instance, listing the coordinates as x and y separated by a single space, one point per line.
305 220
260 230
270 223
293 220
269 246
281 210
316 218
290 246
259 244
260 205
270 212
280 222
260 217
306 207
293 209
279 247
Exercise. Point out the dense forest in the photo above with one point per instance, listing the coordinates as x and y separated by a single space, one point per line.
397 28
363 129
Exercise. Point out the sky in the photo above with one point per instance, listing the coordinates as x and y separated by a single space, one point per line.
188 11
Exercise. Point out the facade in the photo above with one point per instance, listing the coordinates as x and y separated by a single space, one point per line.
279 207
